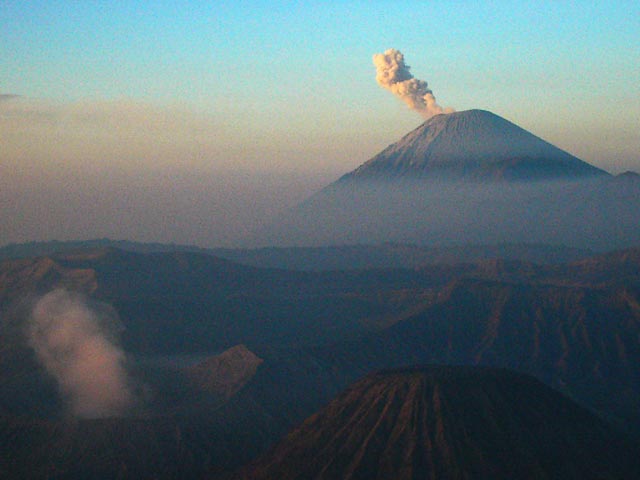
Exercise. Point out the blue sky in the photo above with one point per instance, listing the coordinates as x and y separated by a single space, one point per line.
289 87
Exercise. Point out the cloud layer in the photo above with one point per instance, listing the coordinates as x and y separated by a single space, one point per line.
127 169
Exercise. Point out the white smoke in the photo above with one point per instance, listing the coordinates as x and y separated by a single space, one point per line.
394 75
76 344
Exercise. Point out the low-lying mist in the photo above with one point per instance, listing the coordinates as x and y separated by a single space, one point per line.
128 170
597 214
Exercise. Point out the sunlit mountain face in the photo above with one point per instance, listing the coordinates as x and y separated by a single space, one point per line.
472 145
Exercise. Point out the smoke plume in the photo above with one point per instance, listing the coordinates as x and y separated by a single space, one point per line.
76 344
394 75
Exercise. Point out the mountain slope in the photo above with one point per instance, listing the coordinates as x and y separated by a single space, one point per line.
582 341
473 144
449 422
226 373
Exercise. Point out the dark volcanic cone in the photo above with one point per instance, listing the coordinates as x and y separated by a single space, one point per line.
453 423
226 373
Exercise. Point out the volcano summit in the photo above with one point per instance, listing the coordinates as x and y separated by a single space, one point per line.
472 145
466 178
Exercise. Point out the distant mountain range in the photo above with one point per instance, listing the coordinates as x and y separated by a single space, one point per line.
334 257
470 177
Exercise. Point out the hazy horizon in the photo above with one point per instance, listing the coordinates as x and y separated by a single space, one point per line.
194 124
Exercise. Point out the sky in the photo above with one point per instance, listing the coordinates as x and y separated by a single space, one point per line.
194 122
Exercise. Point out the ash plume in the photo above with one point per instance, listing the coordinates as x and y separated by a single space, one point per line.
76 344
394 75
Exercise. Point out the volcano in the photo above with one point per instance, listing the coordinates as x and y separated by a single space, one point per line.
449 422
465 178
472 145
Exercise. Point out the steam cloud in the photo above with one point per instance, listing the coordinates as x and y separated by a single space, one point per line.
394 75
76 344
